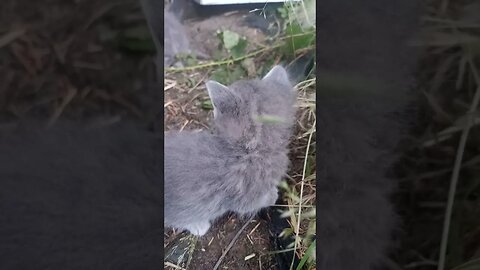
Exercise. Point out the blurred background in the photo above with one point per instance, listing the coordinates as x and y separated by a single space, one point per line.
82 60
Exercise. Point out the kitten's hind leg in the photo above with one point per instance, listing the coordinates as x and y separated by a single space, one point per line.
198 228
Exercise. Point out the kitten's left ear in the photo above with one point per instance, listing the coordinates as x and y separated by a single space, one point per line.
277 74
223 99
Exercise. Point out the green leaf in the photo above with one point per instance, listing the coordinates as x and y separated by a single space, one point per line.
237 74
297 38
283 12
220 75
233 43
226 76
230 39
188 59
239 49
308 253
207 105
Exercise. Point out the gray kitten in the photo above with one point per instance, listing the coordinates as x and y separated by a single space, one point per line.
238 166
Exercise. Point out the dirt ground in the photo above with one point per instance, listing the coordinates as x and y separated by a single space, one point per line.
248 251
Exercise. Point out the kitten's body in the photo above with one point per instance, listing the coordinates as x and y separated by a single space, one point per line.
80 199
359 127
238 166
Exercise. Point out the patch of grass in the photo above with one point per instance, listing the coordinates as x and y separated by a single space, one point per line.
299 39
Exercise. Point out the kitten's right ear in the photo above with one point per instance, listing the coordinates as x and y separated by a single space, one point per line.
222 97
278 74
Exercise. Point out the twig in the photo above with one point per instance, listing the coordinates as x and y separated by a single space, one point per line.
456 169
223 62
232 243
230 61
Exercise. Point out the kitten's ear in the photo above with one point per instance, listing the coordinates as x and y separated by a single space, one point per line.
277 74
222 97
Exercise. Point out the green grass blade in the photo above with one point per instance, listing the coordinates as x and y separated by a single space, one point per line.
309 251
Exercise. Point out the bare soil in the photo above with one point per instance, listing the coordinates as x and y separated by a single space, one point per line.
249 250
202 32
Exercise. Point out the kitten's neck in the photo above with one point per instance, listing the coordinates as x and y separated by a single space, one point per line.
269 142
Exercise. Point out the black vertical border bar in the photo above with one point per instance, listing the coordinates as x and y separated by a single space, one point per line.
160 78
317 124
160 66
156 24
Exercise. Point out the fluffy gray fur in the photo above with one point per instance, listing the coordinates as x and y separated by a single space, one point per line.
359 128
238 166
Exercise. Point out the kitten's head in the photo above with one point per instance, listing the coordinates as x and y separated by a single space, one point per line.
255 113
